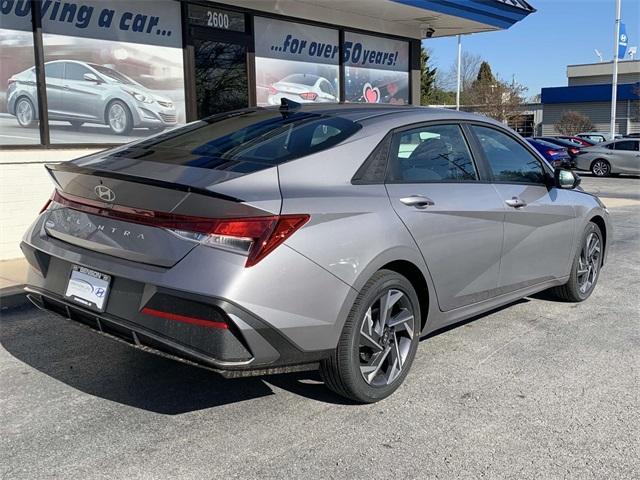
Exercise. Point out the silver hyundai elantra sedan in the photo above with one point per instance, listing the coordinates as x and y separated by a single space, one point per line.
328 236
80 92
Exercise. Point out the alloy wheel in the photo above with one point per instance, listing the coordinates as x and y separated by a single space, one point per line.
589 263
600 168
385 340
24 112
117 118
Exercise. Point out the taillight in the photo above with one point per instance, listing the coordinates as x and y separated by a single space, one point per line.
255 237
49 200
574 151
309 95
272 90
552 152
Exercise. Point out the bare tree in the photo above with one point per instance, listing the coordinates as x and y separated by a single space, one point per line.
496 99
572 122
469 67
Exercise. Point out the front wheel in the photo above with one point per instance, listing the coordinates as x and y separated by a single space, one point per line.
585 269
119 118
601 168
378 342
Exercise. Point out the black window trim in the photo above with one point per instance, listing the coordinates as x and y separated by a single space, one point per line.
479 153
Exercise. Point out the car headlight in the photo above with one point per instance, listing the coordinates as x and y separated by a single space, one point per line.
140 97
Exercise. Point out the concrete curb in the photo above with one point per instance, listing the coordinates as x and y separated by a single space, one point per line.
13 297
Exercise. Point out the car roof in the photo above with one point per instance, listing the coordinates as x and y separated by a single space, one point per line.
391 116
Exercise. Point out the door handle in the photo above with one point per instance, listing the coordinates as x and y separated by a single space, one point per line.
417 201
516 202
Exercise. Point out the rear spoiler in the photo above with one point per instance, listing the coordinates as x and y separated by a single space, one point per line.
68 167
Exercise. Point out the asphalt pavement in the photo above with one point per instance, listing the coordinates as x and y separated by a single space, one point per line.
538 389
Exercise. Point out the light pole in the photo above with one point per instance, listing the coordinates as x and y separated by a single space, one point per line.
614 85
459 73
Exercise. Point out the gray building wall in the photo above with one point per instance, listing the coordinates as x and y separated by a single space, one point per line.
627 115
603 79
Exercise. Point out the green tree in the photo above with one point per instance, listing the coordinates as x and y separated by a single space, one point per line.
485 75
427 78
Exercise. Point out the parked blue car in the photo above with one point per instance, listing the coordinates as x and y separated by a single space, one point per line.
556 155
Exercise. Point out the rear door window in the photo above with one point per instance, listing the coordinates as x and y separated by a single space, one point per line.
436 153
54 70
627 145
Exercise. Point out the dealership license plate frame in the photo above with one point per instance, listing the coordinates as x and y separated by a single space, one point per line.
89 288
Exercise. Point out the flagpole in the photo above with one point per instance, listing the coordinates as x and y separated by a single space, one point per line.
614 85
459 74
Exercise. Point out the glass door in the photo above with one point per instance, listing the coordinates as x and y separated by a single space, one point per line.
217 54
220 76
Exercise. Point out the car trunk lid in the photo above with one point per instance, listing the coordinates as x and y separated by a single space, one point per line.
92 189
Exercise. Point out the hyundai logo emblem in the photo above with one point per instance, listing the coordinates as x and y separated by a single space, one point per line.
105 193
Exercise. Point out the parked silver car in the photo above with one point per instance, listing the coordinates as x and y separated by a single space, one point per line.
80 92
302 88
611 158
332 236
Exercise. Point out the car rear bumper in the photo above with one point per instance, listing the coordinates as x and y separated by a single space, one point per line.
247 344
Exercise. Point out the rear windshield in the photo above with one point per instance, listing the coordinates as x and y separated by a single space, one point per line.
302 79
246 141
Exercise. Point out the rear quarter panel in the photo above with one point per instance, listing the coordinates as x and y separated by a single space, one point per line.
353 230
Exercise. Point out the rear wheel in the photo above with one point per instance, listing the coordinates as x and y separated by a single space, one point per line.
585 269
601 168
119 118
378 342
25 112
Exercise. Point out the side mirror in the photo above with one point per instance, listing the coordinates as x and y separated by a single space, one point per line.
91 77
566 178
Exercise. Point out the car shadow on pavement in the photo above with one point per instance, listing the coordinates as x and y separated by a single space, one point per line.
93 364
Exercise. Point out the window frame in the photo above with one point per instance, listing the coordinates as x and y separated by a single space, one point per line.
395 145
479 153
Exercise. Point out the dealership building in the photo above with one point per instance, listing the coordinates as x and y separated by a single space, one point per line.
78 76
588 91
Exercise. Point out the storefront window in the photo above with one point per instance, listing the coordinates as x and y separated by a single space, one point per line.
114 70
18 97
376 69
295 61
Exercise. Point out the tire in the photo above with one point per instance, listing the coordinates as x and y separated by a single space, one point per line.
601 168
344 372
76 125
119 118
25 112
574 290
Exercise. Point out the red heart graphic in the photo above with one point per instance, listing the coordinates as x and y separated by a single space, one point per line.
371 94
